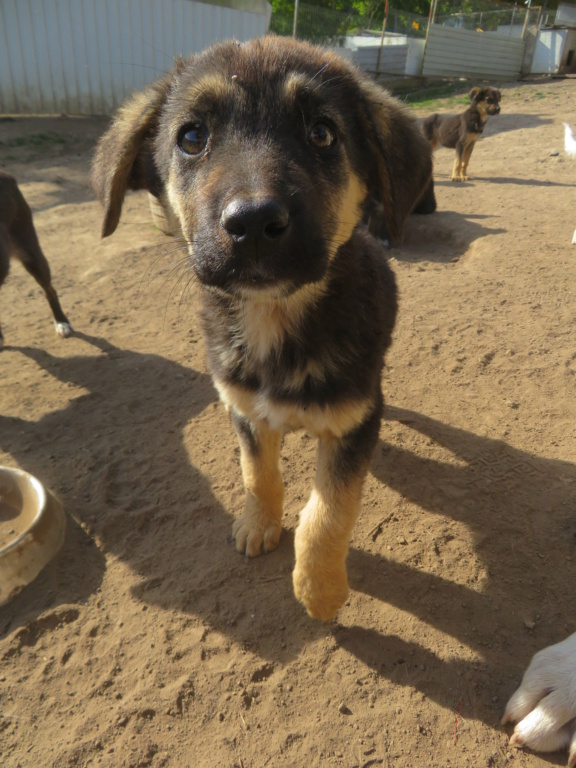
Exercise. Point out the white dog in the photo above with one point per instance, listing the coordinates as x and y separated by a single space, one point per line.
544 706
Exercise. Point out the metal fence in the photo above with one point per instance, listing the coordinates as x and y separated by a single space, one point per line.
330 27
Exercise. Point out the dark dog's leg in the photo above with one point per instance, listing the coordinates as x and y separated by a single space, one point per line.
326 522
466 154
457 168
27 249
5 248
260 526
427 203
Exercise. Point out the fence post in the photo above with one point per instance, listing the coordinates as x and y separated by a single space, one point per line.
295 25
528 4
382 39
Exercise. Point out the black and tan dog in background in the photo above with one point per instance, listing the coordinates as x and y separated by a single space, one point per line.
461 132
18 239
273 155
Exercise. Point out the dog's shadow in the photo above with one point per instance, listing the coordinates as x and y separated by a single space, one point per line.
520 510
444 237
128 484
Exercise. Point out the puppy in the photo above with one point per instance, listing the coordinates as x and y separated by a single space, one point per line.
18 238
273 155
544 706
461 132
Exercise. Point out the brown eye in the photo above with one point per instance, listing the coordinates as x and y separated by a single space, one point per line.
321 136
192 139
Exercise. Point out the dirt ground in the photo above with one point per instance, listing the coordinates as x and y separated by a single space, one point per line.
149 641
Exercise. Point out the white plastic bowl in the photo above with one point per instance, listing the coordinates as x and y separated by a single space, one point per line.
32 529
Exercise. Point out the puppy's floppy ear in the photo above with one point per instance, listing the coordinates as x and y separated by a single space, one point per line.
474 94
123 158
401 159
498 94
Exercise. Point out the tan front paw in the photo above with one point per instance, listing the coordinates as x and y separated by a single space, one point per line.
455 178
256 534
322 591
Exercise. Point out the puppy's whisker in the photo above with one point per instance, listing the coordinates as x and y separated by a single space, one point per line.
155 261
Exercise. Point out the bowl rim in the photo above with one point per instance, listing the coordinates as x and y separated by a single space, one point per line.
40 492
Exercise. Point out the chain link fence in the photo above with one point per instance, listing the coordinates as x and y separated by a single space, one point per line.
331 27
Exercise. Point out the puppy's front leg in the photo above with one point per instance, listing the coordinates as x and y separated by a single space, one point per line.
466 159
457 168
327 520
260 526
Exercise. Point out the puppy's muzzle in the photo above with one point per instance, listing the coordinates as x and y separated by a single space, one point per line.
255 224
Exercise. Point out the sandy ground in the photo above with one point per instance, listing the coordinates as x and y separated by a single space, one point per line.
149 641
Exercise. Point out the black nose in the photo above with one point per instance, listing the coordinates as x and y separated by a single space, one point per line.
252 220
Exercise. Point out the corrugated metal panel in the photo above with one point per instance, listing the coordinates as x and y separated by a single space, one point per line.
87 56
392 60
463 53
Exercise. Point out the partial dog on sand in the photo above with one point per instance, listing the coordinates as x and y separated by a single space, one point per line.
461 132
544 706
18 239
277 157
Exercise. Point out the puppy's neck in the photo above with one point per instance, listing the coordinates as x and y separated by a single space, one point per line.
261 321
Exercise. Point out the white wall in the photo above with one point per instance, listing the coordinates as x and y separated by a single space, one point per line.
86 56
548 51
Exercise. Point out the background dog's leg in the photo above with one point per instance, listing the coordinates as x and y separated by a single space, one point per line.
5 248
327 520
30 254
260 526
457 168
466 153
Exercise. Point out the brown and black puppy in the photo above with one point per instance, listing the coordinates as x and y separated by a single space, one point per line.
461 132
270 153
18 239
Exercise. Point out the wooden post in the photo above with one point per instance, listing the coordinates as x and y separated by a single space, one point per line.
382 38
295 26
528 4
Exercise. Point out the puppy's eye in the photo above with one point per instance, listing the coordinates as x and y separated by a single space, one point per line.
321 136
192 138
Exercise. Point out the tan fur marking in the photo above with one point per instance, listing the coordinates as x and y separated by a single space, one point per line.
263 319
334 420
213 87
176 204
322 537
260 525
349 212
462 159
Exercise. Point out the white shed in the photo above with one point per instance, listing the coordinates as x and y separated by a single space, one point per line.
84 57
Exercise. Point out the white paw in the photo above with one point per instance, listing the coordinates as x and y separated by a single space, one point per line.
64 330
544 706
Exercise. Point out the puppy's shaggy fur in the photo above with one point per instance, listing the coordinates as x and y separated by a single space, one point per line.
461 132
277 158
18 239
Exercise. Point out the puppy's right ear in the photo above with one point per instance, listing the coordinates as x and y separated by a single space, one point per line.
123 158
474 93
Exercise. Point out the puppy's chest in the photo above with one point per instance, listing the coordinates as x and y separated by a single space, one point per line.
475 123
262 346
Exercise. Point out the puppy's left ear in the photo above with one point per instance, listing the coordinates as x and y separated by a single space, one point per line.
401 159
498 94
